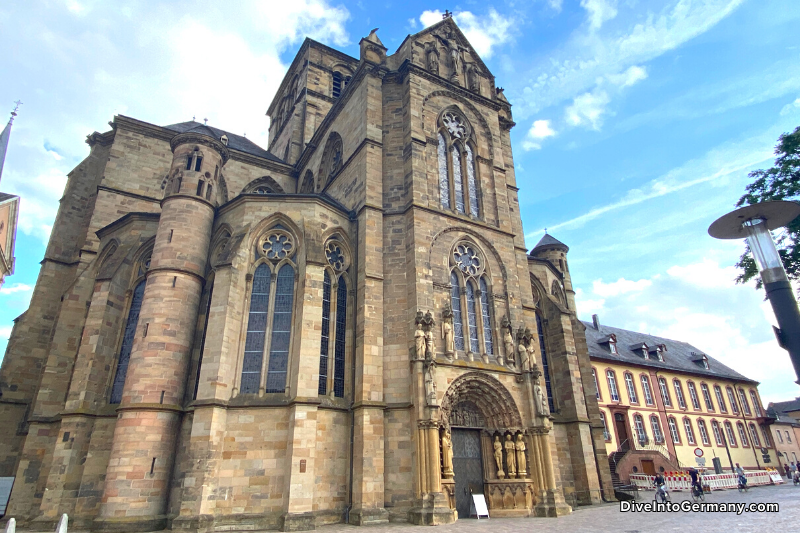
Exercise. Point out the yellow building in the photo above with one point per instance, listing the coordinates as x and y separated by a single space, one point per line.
665 404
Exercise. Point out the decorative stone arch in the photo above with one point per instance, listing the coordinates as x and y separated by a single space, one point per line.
218 242
496 405
264 181
441 271
307 187
466 103
265 225
332 160
558 292
104 257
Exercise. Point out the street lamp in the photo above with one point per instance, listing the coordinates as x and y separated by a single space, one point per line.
754 223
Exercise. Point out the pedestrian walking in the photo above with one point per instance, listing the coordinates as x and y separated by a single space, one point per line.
788 471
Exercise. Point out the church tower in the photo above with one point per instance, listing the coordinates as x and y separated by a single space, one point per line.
345 326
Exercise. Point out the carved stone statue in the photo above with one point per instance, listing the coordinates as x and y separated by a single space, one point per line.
531 346
508 341
524 360
430 346
447 455
522 462
447 330
473 80
430 383
511 454
498 457
432 58
454 49
541 401
419 337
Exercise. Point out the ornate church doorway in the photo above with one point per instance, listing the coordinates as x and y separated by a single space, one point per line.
465 419
467 467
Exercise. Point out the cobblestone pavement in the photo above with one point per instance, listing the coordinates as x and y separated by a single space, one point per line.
608 518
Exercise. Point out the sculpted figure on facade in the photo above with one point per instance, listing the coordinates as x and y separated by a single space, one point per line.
508 341
430 346
447 455
541 400
498 457
522 348
447 331
432 57
419 337
430 383
522 462
473 80
531 346
511 457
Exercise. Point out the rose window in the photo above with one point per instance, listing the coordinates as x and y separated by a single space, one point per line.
335 255
454 125
467 259
277 246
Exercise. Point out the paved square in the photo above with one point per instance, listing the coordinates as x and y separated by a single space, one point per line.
608 518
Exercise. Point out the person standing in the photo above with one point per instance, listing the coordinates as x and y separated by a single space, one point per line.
788 471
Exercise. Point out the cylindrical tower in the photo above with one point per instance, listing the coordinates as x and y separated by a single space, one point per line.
138 475
555 251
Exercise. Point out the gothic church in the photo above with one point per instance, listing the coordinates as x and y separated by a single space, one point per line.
346 326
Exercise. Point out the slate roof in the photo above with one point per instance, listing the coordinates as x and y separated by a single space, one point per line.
677 357
782 418
785 407
5 196
548 240
235 142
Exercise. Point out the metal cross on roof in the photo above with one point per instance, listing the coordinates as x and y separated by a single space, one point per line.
447 14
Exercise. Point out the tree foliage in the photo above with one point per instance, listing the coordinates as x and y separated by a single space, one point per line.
781 182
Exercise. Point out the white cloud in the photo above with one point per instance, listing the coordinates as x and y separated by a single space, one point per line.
588 109
412 23
483 32
791 108
629 77
599 11
39 203
17 287
555 5
596 53
540 129
5 333
700 304
621 286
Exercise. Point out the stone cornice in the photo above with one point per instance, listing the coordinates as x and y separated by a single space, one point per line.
318 198
407 67
124 220
129 194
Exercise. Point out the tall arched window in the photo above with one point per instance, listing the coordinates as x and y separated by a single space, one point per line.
638 423
545 364
674 433
701 425
732 398
687 426
721 400
754 436
467 279
693 396
717 433
606 433
269 323
127 343
745 404
648 394
679 394
612 385
631 388
658 435
729 434
742 434
458 180
662 385
756 403
334 320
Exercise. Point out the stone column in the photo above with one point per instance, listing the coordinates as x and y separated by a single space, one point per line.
140 465
551 501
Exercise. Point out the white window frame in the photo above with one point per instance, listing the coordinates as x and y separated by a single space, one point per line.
665 397
647 392
613 392
673 430
655 425
703 430
631 388
707 397
693 396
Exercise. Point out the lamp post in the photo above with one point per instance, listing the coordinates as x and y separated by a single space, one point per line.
754 223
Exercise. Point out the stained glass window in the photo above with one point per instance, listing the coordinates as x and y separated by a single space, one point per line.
338 348
127 343
458 184
444 182
472 319
455 302
326 332
471 183
281 330
545 365
487 318
256 331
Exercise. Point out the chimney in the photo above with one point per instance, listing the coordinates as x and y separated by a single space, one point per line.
596 322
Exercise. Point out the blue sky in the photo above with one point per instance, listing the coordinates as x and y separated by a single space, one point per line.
637 122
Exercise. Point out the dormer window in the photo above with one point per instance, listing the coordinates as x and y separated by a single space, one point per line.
642 349
658 351
611 340
700 359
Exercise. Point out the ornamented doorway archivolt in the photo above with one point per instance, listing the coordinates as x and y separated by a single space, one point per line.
483 393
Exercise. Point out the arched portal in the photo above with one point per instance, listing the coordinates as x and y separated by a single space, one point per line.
475 410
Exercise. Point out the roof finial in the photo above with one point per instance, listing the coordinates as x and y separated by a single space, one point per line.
447 14
205 121
14 112
193 118
545 231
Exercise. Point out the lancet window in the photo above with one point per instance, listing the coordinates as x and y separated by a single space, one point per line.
126 346
470 299
545 363
194 161
334 320
458 180
269 322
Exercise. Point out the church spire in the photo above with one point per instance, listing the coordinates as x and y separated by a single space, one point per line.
5 136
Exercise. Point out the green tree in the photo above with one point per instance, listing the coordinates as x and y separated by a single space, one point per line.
781 182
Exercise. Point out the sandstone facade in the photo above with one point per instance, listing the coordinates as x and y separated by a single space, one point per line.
337 328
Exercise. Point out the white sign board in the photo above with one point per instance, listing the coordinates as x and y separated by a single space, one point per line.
701 461
775 477
479 506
